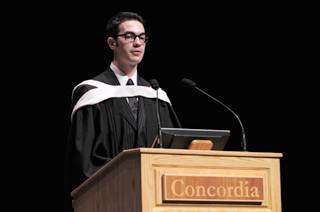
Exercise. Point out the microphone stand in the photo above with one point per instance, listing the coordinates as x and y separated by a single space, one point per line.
243 139
159 124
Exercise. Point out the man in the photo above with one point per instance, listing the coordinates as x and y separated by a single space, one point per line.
116 110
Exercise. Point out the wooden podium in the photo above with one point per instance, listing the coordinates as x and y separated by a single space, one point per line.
183 180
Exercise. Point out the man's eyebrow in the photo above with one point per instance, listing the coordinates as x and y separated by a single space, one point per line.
133 33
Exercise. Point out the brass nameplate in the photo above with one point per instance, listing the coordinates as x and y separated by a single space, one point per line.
212 188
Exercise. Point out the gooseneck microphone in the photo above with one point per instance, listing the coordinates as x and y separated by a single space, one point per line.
155 85
190 84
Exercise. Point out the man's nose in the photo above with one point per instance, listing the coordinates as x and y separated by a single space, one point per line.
137 42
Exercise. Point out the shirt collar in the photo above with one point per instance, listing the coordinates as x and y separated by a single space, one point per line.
122 77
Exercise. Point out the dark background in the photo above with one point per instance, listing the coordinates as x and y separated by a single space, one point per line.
247 56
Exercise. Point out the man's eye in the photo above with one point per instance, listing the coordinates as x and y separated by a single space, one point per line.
142 37
130 36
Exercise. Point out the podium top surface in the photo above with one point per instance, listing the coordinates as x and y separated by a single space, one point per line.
204 152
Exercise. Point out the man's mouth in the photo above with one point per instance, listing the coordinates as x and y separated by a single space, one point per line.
136 52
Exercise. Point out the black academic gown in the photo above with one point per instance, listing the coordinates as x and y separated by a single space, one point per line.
100 132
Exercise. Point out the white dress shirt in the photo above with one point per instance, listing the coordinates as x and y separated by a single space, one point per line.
122 77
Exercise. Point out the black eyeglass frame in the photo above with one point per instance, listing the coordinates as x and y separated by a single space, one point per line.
146 39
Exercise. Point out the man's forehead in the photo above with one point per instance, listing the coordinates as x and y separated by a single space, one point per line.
131 26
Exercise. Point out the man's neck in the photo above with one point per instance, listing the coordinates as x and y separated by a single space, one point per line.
122 77
127 69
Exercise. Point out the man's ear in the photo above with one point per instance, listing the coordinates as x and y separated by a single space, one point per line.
112 43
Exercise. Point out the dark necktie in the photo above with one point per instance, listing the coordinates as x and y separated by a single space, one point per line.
133 102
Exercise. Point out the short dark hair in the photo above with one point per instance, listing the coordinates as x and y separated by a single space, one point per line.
115 21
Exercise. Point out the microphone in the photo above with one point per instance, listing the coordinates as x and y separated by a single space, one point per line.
190 84
155 85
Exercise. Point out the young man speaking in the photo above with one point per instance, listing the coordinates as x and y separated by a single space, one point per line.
115 110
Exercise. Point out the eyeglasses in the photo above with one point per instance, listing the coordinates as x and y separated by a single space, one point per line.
131 37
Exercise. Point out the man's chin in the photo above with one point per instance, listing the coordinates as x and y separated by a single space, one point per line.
136 60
